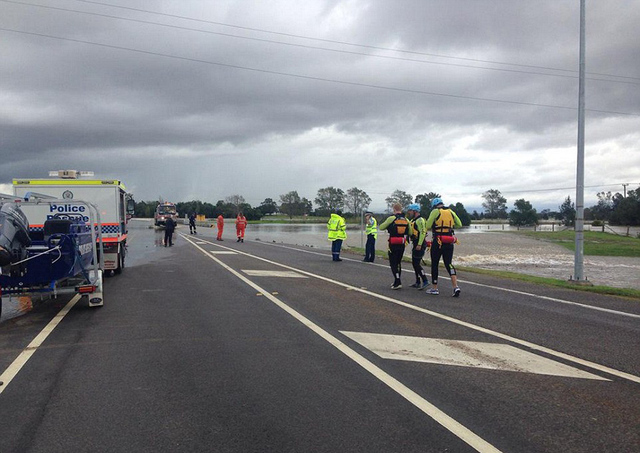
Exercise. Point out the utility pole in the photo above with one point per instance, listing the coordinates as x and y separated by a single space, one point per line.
579 256
624 188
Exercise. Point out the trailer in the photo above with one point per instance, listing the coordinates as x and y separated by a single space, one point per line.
109 196
61 258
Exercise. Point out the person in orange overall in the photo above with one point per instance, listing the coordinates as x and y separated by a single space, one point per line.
220 227
241 224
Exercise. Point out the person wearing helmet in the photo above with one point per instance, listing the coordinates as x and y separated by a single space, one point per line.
419 244
399 229
442 222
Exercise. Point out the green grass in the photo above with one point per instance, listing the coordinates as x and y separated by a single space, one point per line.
608 290
595 243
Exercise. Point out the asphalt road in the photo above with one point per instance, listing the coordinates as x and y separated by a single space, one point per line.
261 347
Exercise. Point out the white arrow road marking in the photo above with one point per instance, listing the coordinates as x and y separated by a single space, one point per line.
261 273
493 356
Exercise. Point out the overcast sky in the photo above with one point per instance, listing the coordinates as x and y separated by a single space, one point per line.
201 99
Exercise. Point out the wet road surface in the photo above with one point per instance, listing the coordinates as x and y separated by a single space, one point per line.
254 347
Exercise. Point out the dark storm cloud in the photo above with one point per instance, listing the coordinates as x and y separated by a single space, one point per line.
73 104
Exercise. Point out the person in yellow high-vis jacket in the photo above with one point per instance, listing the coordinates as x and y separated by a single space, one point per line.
371 230
337 233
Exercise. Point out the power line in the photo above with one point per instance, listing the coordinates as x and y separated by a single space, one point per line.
291 35
314 78
303 46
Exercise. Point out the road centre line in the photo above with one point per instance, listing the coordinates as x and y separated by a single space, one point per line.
7 376
522 293
449 423
525 343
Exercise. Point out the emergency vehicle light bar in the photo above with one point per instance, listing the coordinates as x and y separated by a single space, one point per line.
70 174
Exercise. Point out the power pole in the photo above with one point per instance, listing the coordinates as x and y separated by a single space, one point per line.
579 256
624 187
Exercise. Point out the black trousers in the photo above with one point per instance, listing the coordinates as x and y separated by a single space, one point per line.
444 251
416 261
370 248
335 249
395 259
168 237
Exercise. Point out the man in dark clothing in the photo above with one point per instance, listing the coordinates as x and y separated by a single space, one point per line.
170 226
192 223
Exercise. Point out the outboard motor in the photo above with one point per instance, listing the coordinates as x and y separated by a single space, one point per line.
14 237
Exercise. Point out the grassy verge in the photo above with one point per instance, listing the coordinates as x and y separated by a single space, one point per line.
622 292
595 243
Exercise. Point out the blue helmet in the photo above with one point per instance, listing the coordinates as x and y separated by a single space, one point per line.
413 207
436 201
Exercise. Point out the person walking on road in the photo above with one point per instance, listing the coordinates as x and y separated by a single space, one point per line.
241 224
419 244
192 223
337 233
371 229
399 229
220 227
442 221
169 228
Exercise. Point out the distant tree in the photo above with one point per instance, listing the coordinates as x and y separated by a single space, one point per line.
356 200
398 196
567 212
462 213
603 209
424 200
523 214
626 210
268 206
305 207
475 215
544 214
329 200
235 200
495 205
291 204
145 209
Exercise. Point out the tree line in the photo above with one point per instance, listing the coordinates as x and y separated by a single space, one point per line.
617 209
613 208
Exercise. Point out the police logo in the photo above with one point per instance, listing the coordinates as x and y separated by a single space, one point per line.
67 195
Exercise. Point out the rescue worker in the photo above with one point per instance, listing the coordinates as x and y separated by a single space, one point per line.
442 221
399 229
241 224
371 230
419 244
169 228
192 223
337 233
220 228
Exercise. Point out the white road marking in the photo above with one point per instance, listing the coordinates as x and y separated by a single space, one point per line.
261 273
7 376
425 406
527 344
222 252
508 290
492 356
